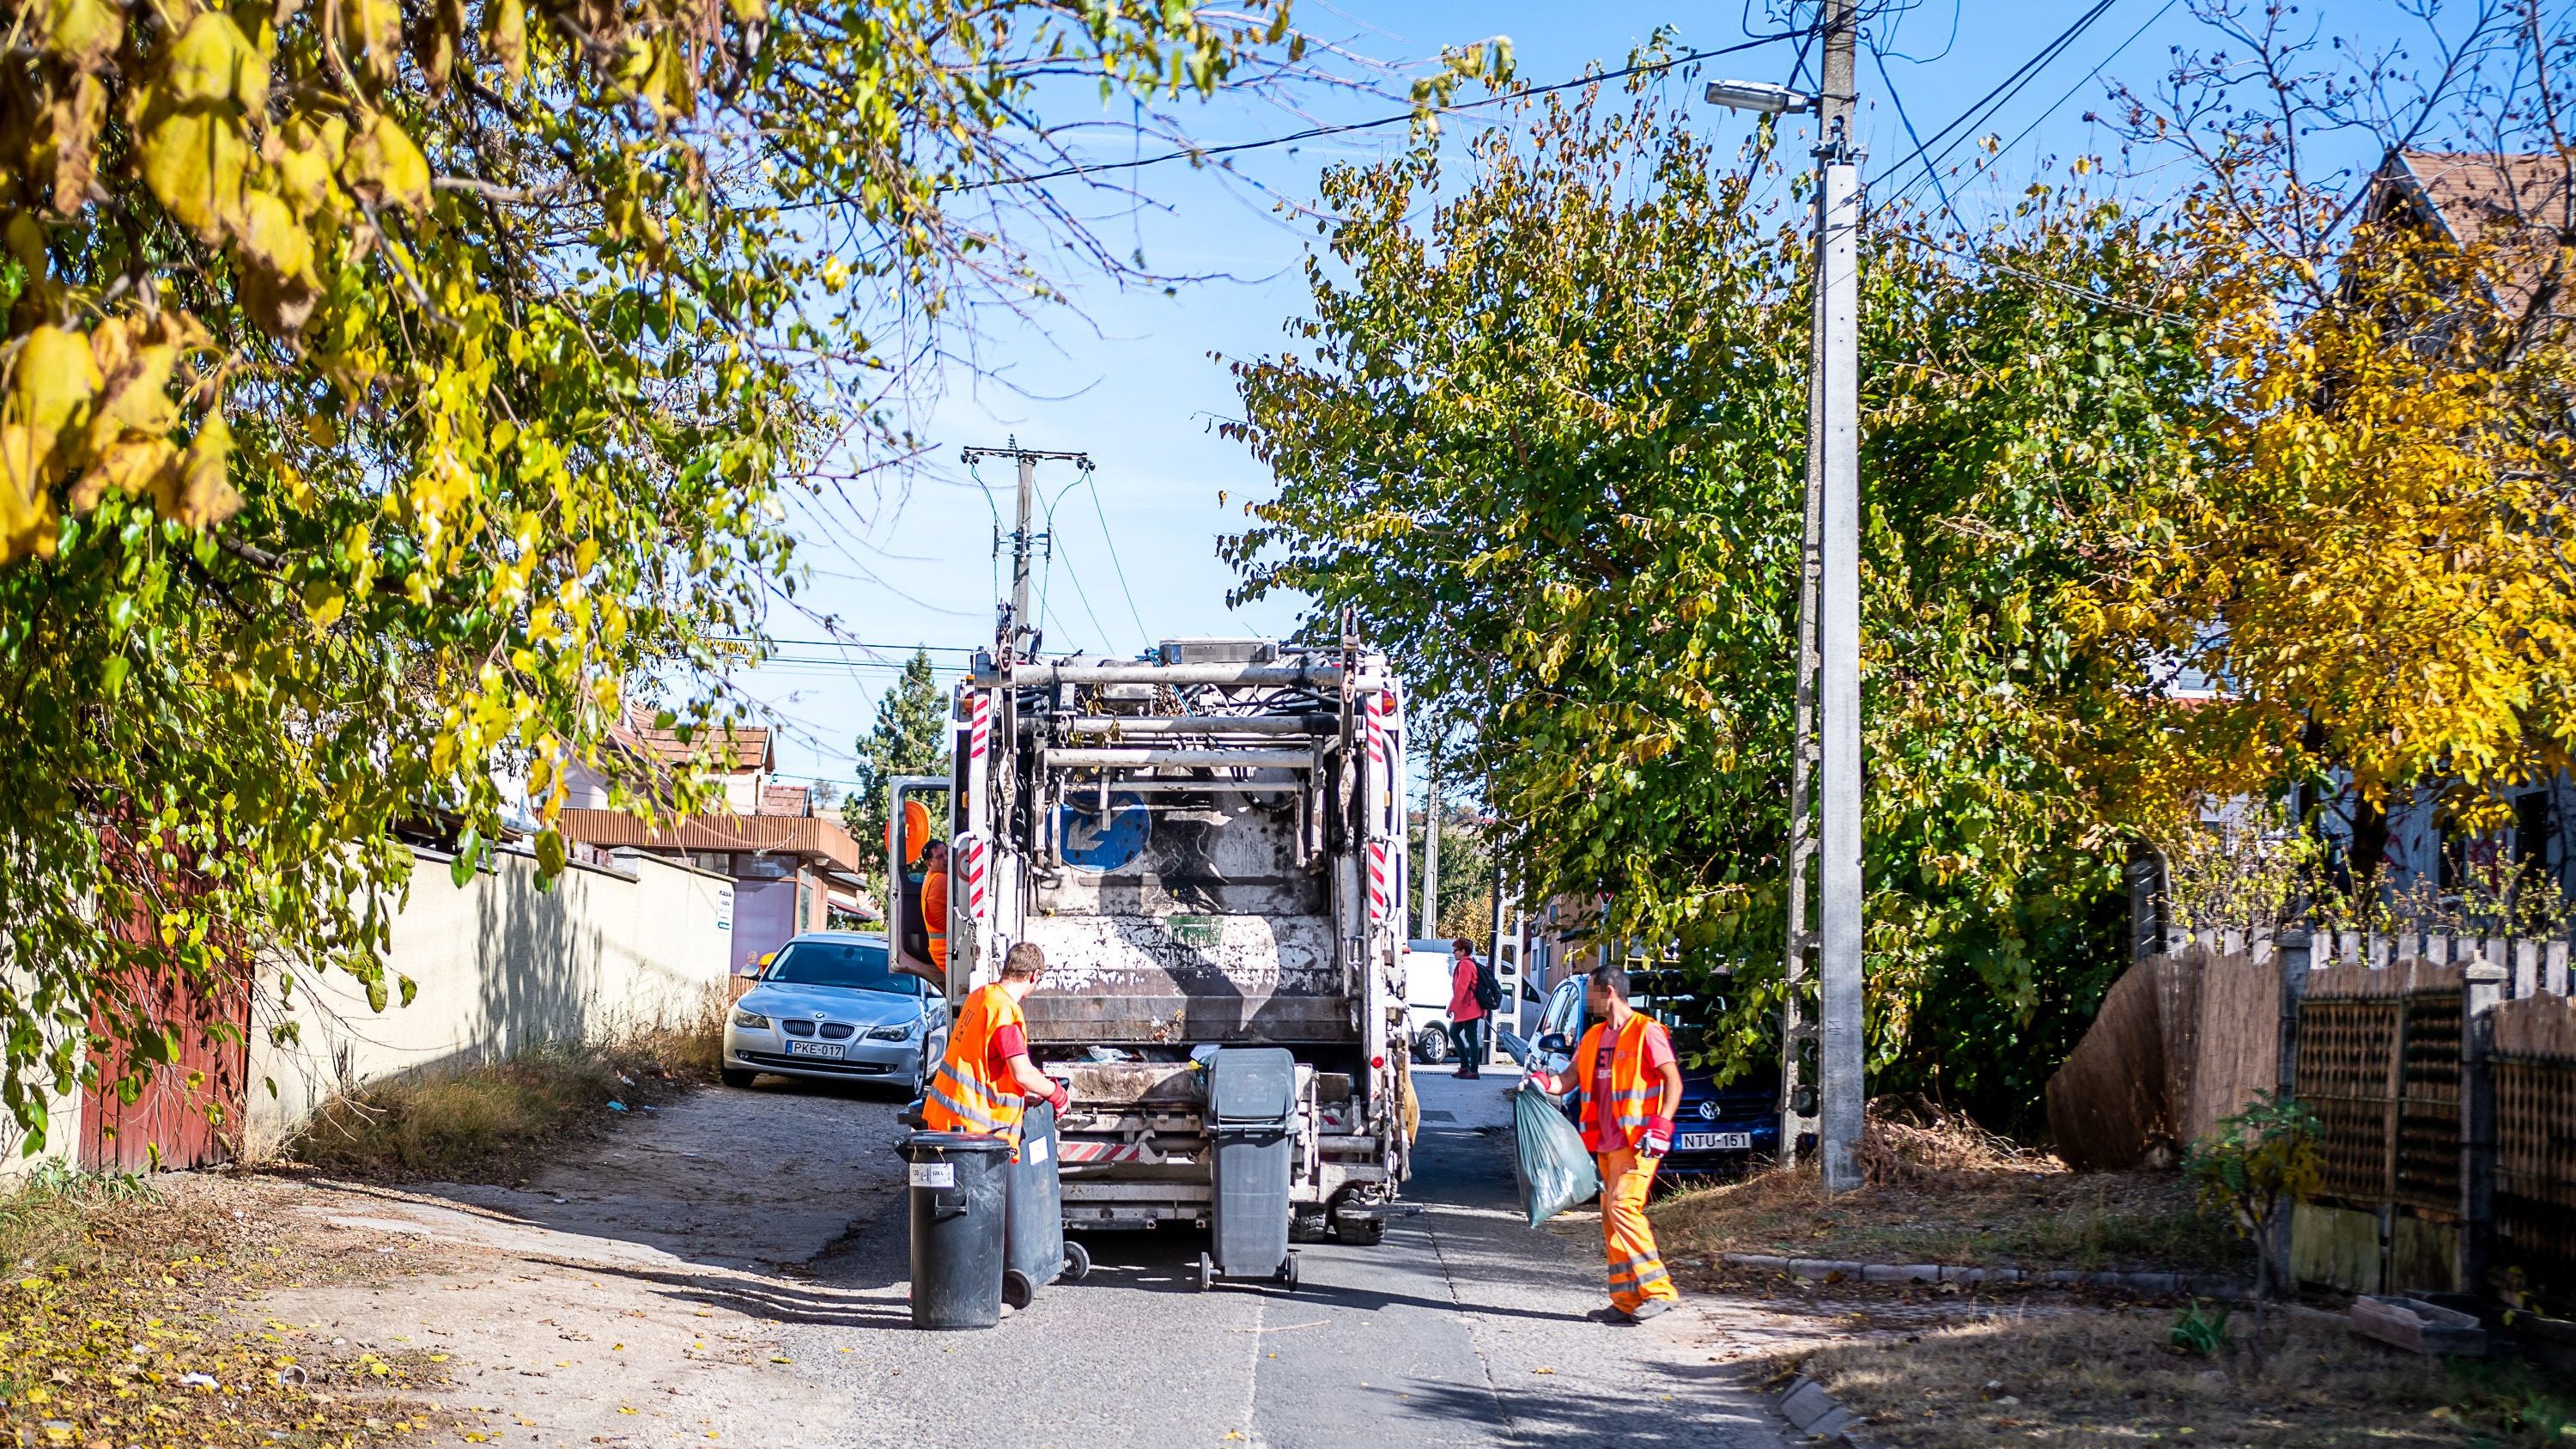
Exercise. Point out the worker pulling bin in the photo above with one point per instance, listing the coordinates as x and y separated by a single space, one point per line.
960 1164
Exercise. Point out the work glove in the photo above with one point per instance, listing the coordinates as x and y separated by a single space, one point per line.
1063 1098
1658 1139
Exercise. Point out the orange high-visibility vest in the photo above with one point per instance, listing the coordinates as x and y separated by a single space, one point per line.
1634 1096
934 915
961 1098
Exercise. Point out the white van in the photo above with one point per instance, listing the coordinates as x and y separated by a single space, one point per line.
1428 968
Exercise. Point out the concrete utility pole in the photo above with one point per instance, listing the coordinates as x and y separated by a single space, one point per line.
1837 386
1024 631
1828 662
1431 844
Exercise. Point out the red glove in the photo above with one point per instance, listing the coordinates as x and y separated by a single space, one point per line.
1659 1137
1063 1098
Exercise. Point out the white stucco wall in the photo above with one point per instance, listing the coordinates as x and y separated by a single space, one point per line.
501 965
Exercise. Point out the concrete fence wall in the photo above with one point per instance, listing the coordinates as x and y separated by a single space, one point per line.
501 965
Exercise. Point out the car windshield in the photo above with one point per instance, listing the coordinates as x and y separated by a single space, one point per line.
1667 997
852 965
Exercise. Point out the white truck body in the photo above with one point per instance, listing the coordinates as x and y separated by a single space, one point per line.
1208 844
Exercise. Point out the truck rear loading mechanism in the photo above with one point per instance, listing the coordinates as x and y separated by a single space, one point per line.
1208 842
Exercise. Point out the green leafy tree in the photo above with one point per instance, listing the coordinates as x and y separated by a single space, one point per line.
910 737
2254 1166
393 396
1544 430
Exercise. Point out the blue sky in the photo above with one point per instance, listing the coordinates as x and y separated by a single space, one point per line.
1128 377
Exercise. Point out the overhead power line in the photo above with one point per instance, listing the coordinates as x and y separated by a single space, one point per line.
1964 124
1204 153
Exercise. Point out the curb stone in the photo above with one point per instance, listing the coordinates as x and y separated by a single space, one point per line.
2198 1285
1814 1413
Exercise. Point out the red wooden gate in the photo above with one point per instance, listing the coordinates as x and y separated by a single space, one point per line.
186 1113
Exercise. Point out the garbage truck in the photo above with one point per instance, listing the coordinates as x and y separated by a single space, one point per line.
1208 841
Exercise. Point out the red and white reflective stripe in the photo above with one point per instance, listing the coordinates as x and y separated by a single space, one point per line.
1100 1151
971 847
980 736
1379 885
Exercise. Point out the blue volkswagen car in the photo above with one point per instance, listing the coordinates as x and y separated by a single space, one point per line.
1719 1129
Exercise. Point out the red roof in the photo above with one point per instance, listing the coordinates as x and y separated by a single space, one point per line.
786 800
809 836
2522 204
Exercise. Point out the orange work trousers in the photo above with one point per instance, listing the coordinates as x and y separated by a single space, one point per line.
1636 1273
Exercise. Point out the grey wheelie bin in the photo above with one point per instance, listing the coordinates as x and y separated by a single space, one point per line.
959 1184
1035 1251
1251 1115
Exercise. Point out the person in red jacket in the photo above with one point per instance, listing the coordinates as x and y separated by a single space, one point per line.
1466 1013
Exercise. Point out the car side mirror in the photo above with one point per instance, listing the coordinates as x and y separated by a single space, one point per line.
1555 1044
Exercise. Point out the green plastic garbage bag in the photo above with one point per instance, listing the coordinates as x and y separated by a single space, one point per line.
1556 1169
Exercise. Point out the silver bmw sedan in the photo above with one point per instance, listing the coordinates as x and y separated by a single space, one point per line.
830 1005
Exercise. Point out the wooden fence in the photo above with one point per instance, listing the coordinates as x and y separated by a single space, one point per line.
2442 1069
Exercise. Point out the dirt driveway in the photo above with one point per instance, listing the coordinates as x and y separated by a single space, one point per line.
634 1293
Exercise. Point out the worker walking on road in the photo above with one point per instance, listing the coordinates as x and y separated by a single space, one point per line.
1632 1086
987 1078
934 901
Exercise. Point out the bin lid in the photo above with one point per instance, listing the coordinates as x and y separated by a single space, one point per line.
1252 1086
923 1143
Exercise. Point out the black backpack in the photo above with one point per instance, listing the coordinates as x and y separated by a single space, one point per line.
1489 992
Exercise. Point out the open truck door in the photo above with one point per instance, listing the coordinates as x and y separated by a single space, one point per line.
918 812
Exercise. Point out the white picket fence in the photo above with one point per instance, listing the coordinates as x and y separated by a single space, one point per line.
2533 967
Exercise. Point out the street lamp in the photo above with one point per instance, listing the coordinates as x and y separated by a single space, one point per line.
1761 96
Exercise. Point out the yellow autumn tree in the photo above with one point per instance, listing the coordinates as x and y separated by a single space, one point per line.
2363 557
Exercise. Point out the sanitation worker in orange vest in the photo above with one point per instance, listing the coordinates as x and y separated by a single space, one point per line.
987 1078
934 900
1631 1086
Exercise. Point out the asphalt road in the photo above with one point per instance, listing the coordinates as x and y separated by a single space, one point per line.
1464 1328
732 1270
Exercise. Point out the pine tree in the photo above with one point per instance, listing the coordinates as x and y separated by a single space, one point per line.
910 737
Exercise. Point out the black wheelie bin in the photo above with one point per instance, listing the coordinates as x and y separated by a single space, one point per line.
959 1186
1035 1251
1251 1116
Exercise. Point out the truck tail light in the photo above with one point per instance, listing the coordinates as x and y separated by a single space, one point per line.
1377 1062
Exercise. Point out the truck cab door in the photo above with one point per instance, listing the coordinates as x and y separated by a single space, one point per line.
916 813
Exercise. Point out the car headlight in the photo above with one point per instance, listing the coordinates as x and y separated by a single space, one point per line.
749 1018
905 1031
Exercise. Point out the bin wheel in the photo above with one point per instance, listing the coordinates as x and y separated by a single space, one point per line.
1207 1272
1017 1290
1077 1261
1288 1272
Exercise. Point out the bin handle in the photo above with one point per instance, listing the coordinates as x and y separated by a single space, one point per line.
946 1203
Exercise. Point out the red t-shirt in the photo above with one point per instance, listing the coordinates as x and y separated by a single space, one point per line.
1656 1049
1004 1044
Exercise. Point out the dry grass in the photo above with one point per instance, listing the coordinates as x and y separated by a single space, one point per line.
2088 1376
1941 1190
492 1120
